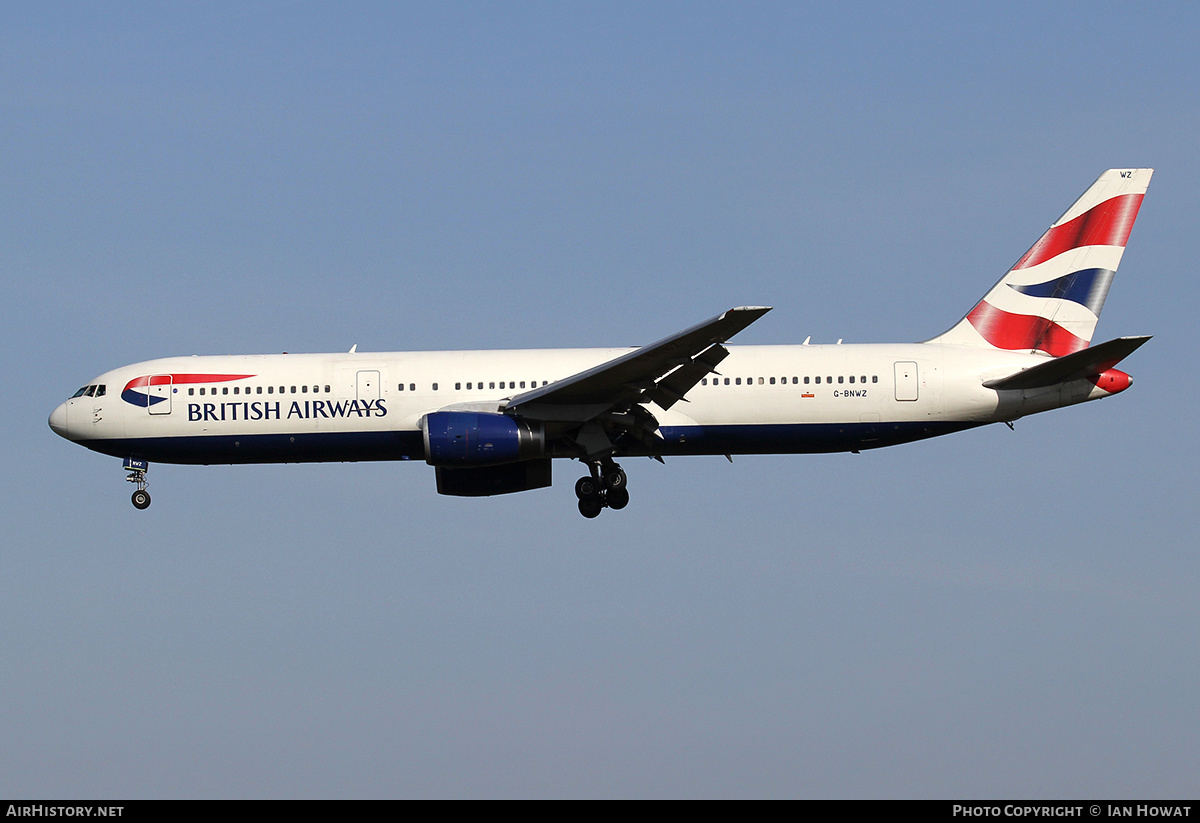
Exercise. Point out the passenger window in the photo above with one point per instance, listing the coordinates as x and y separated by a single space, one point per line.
851 378
522 384
761 383
201 391
412 386
841 379
492 385
726 381
304 389
401 387
816 379
435 386
862 379
738 381
270 390
874 378
258 390
191 392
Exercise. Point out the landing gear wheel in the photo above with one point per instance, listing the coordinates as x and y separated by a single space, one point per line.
615 478
590 507
617 498
586 487
141 499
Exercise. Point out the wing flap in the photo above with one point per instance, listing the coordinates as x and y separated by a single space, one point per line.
672 388
690 353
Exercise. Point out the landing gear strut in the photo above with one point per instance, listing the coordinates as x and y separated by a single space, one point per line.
604 487
137 474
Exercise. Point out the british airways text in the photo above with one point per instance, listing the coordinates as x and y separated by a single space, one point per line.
307 410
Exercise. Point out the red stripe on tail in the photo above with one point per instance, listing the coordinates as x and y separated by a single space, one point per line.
1023 331
1107 224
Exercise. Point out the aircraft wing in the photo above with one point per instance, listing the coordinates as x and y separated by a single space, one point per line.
661 372
1083 363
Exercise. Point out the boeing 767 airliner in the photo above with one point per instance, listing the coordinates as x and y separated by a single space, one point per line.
491 422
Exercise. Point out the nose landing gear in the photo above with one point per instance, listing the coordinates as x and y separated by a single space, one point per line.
137 474
604 487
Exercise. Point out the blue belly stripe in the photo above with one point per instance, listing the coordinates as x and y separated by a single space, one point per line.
335 447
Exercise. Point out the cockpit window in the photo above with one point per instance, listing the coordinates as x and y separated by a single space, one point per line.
94 390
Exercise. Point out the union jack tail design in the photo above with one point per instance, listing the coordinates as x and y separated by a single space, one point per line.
1051 299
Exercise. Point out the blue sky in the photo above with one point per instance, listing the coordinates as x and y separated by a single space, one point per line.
987 614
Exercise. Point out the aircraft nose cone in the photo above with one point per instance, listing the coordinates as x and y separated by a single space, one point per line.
58 421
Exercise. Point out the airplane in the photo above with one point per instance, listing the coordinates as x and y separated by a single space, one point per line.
492 422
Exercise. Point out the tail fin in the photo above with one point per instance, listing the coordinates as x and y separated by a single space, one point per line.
1051 299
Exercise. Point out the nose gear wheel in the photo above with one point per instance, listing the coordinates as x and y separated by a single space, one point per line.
141 497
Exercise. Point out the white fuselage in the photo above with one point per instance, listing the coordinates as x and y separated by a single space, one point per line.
363 406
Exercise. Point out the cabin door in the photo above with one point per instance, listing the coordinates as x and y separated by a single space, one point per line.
906 380
159 391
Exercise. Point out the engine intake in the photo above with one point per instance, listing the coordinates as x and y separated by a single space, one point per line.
480 439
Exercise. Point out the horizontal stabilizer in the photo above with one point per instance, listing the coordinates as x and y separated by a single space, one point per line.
1085 363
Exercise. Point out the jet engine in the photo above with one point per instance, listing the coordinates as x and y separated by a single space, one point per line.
461 439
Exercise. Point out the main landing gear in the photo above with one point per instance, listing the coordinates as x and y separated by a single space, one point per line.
137 474
604 487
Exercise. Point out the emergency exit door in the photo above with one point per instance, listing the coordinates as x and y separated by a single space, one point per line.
368 385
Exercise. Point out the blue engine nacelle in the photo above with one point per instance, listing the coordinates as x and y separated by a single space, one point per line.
480 439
